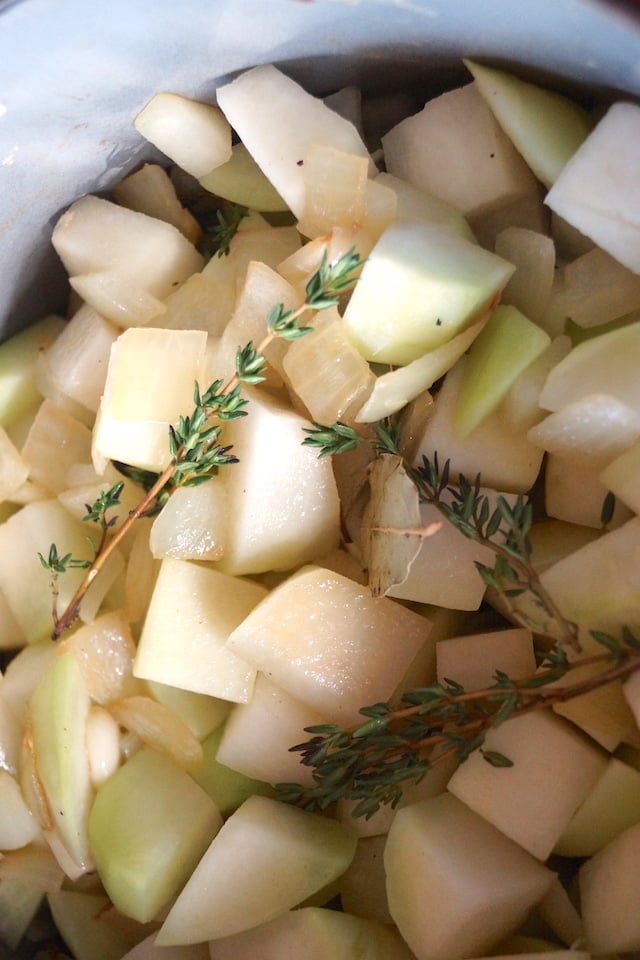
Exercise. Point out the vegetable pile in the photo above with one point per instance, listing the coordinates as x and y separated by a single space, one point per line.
319 538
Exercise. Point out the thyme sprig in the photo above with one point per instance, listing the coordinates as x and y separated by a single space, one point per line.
336 438
196 444
220 227
432 724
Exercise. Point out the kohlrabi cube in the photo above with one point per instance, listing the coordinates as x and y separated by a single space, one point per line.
227 787
456 885
151 190
149 825
75 364
606 883
241 180
455 150
506 346
259 105
545 127
57 717
267 858
13 469
282 500
315 934
612 805
95 234
420 286
496 449
19 393
532 802
194 135
193 611
257 735
415 204
87 923
357 652
597 189
602 365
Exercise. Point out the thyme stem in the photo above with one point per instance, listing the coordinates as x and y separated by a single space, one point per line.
195 451
440 722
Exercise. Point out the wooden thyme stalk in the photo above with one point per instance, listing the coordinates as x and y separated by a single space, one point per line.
195 443
434 723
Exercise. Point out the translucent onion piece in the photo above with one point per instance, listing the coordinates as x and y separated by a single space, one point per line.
334 189
160 728
105 651
394 390
327 372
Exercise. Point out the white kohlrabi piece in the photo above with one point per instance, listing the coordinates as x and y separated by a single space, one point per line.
455 150
534 257
456 885
19 393
13 470
96 235
545 127
604 880
193 610
151 190
240 180
194 135
282 500
597 425
598 191
574 492
622 477
495 449
314 933
597 585
420 286
598 289
612 805
118 298
507 345
259 105
149 825
356 652
606 364
267 858
150 384
415 204
532 807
